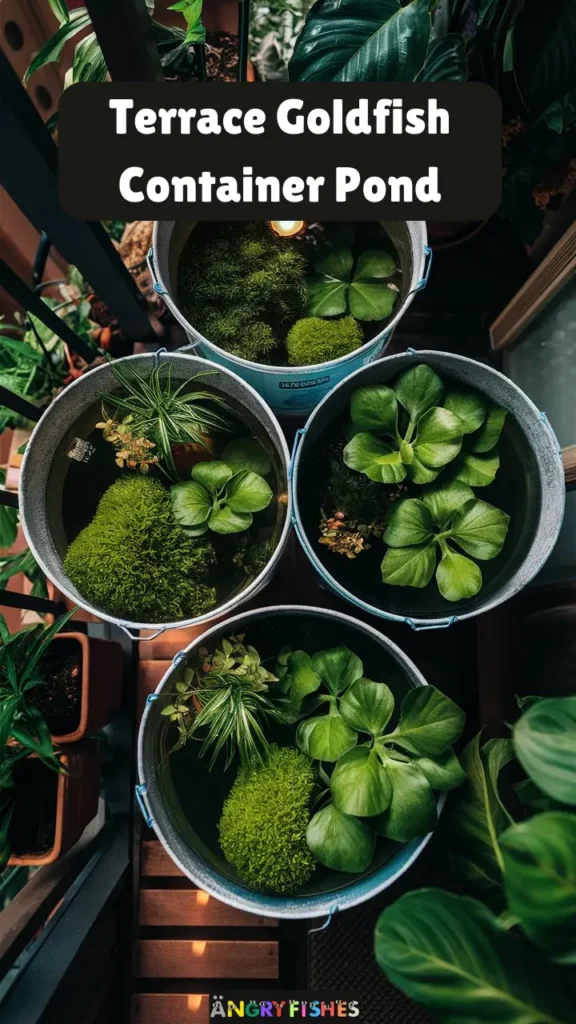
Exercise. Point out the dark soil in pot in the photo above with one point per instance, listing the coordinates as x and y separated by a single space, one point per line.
194 796
33 823
515 490
59 699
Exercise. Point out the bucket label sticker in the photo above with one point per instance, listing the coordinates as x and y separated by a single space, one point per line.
80 450
296 384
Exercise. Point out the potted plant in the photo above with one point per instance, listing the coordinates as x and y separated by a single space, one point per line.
291 307
322 761
427 488
182 473
508 953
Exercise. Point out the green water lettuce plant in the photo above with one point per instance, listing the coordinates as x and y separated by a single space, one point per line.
224 700
339 284
314 340
414 429
154 408
219 499
382 777
418 530
263 825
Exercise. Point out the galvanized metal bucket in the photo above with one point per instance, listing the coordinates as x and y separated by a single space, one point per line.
64 428
183 831
291 390
539 501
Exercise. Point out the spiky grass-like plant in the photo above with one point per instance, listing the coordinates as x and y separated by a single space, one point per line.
152 409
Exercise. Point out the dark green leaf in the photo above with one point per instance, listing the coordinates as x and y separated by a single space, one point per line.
412 811
443 771
396 52
367 706
444 501
418 389
374 264
458 577
226 520
540 879
470 406
545 744
409 523
449 953
476 470
340 842
360 785
333 33
246 453
446 60
409 567
212 475
374 408
439 438
337 262
60 10
338 668
247 492
480 529
191 503
489 434
325 738
378 460
52 49
89 64
429 722
371 301
303 679
326 297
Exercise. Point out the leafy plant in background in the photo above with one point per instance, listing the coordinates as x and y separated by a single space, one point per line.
534 73
224 700
221 497
339 283
165 415
383 778
274 30
452 953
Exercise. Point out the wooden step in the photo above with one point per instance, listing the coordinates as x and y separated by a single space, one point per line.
155 862
193 908
181 958
169 1008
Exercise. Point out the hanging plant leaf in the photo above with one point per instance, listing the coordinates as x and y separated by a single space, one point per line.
545 744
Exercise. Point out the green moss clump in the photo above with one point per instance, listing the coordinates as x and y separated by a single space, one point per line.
236 331
314 340
134 561
263 824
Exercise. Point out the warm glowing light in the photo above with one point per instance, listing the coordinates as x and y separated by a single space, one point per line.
286 228
199 947
202 898
194 1003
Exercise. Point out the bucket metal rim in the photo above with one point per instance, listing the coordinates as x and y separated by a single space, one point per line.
235 894
420 275
415 622
231 602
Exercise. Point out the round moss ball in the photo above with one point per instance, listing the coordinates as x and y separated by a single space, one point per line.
264 819
314 340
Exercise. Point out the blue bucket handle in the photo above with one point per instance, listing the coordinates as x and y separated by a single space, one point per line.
333 910
297 441
140 797
158 287
420 627
427 264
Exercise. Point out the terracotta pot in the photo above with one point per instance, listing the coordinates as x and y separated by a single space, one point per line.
76 803
101 684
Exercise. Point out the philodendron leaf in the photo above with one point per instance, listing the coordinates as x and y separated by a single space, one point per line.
443 771
450 954
374 408
444 501
429 722
412 811
340 841
326 737
476 815
458 577
338 668
418 389
439 438
540 880
225 520
396 52
246 453
378 460
409 567
545 744
303 679
323 48
367 706
360 785
489 435
212 475
247 492
409 522
191 503
470 406
476 470
480 529
370 300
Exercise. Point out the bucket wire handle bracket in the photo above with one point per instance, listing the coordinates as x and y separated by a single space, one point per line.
322 928
156 284
441 625
142 639
427 264
141 791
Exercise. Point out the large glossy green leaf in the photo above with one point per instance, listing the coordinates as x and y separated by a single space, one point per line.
545 744
409 522
326 737
371 300
444 771
52 49
540 879
379 460
339 841
418 389
489 434
412 811
333 32
439 438
247 492
338 668
443 501
429 722
374 408
89 64
191 503
480 529
476 815
446 60
303 680
367 706
360 785
409 567
458 577
476 470
469 405
449 953
396 52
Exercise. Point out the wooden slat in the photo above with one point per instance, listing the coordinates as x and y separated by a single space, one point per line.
194 908
569 463
169 1008
155 862
179 958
